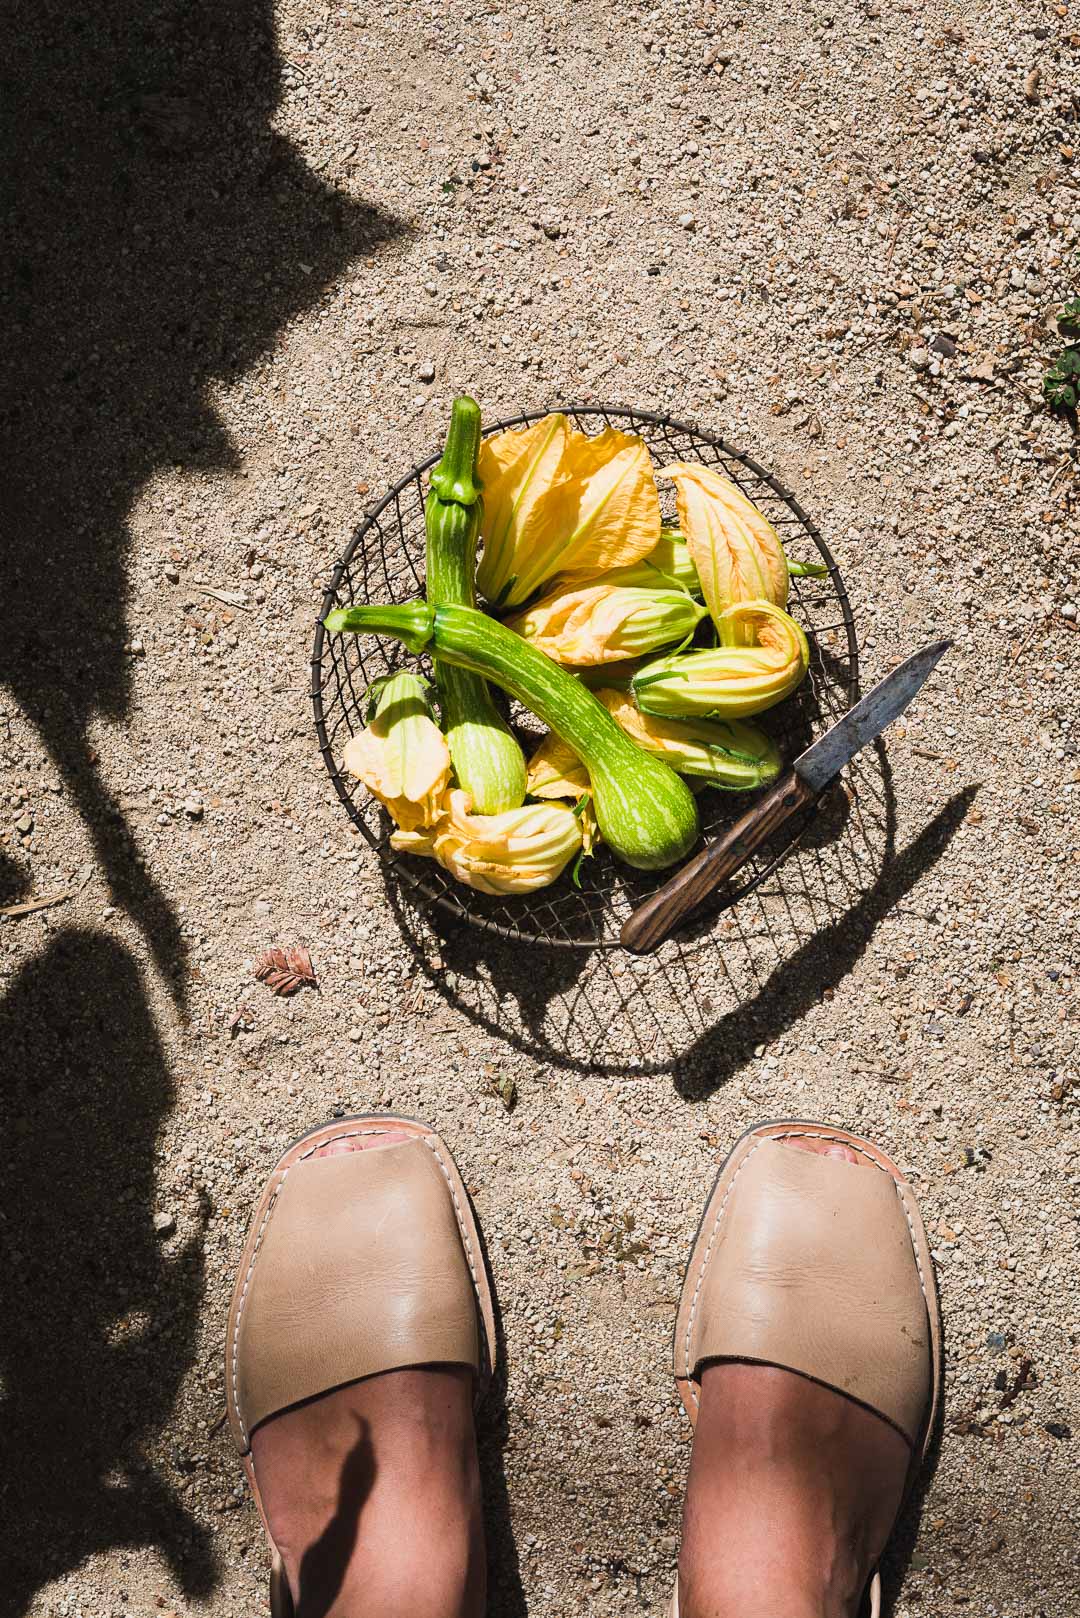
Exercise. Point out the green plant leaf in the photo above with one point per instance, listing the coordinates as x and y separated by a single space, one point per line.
1068 321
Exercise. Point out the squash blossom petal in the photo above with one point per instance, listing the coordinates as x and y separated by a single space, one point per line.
527 490
517 851
735 549
727 753
762 658
557 501
402 757
668 565
555 771
585 811
606 623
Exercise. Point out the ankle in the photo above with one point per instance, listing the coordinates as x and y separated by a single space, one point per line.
720 1586
414 1545
772 1551
760 1599
432 1581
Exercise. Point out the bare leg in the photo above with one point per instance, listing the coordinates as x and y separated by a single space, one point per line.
372 1493
792 1493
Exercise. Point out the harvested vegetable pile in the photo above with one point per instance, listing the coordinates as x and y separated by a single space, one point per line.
643 649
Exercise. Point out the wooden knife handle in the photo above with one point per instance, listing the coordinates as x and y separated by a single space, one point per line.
651 922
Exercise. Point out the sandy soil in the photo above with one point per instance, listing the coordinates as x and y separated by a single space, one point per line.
836 233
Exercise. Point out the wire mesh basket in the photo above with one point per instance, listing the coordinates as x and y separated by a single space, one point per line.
385 563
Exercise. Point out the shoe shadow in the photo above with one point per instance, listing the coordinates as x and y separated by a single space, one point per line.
99 1318
901 1547
159 235
505 1593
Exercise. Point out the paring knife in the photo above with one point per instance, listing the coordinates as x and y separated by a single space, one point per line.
798 787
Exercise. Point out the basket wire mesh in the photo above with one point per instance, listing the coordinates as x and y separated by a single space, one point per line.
384 562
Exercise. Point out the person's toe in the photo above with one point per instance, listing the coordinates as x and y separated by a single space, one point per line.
361 1143
823 1146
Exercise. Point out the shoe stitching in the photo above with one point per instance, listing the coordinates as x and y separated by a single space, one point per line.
792 1134
318 1146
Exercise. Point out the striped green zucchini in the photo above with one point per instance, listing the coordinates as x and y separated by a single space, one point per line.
488 762
645 812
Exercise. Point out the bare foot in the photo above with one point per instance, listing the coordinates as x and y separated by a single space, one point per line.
793 1489
372 1492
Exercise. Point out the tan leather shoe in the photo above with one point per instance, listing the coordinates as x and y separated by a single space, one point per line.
805 1262
354 1264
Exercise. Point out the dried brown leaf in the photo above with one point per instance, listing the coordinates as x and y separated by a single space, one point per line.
285 971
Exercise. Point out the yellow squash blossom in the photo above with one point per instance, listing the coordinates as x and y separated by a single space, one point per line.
606 623
762 658
735 549
559 502
402 757
727 753
668 563
518 470
517 851
555 771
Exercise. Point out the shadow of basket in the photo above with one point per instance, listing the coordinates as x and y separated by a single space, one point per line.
609 1012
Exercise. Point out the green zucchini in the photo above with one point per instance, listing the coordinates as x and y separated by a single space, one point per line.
488 762
645 812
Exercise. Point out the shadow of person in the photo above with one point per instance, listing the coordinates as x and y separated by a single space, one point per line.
159 234
821 962
13 881
325 1563
98 1323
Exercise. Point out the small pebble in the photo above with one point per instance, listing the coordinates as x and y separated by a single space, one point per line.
193 808
164 1224
426 370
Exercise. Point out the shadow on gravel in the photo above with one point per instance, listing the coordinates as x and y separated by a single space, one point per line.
158 236
505 1595
697 1009
826 958
99 1315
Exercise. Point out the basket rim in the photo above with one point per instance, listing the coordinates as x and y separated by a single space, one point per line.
442 900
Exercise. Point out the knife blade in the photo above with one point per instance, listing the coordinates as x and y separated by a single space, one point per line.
799 786
885 702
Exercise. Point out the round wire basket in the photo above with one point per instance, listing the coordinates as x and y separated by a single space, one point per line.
384 562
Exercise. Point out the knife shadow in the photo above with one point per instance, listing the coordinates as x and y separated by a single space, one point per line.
828 955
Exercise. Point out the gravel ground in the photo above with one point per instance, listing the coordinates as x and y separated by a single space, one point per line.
252 257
